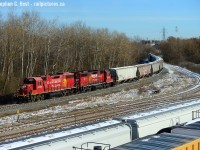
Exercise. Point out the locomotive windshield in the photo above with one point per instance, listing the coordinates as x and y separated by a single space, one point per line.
29 81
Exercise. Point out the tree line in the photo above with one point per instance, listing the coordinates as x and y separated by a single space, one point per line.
31 45
182 52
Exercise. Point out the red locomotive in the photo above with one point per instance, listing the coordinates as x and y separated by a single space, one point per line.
42 87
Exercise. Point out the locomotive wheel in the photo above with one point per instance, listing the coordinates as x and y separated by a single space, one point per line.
42 96
29 99
93 88
64 93
38 98
84 89
69 92
25 100
89 88
77 90
33 98
105 85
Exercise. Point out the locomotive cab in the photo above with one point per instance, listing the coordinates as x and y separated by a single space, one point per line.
108 78
28 86
31 86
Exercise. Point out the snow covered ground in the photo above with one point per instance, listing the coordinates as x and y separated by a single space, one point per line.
173 81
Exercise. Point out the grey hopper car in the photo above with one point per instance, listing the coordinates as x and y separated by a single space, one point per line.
144 70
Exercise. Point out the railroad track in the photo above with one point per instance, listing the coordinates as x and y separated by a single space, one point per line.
64 120
82 117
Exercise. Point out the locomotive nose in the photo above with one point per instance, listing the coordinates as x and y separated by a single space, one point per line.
23 86
24 89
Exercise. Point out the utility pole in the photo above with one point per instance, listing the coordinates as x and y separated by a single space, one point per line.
176 30
163 33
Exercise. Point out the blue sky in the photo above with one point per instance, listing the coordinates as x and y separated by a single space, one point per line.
136 18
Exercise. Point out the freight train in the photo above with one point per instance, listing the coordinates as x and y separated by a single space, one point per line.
67 83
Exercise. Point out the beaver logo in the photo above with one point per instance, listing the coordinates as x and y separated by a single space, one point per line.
64 83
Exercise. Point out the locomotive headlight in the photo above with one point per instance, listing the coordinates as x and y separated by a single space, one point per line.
24 87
